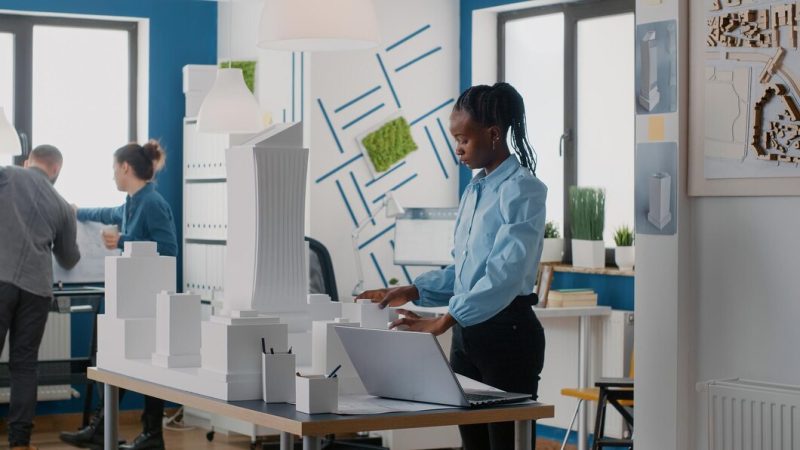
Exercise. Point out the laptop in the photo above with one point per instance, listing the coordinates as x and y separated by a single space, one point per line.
406 365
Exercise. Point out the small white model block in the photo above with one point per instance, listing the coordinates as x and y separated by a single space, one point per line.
320 307
368 314
134 278
278 374
659 214
327 352
234 349
316 394
177 330
129 338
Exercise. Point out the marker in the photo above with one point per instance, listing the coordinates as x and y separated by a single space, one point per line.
271 351
333 372
290 350
263 346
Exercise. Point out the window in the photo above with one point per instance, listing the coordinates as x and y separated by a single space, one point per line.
573 65
75 88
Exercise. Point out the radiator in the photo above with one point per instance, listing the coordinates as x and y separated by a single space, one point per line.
55 345
751 415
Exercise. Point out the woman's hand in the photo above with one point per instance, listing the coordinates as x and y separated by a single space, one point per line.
398 296
413 322
110 238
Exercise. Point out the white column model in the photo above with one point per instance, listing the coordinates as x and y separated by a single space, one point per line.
649 95
177 330
660 191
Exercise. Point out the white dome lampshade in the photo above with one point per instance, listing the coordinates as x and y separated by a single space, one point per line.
229 107
9 139
318 25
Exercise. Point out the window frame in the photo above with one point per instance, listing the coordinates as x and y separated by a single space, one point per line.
21 26
573 13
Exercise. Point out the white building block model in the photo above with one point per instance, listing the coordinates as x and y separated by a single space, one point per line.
320 307
327 352
266 223
134 278
368 314
660 192
649 96
177 330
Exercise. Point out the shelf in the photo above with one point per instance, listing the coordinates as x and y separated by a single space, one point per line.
612 271
205 241
205 180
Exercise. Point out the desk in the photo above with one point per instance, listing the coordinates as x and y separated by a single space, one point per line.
584 316
289 422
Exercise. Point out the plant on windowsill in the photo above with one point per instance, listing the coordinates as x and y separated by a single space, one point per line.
587 207
553 247
624 254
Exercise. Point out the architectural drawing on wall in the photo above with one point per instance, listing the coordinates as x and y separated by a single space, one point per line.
655 188
648 94
753 51
656 68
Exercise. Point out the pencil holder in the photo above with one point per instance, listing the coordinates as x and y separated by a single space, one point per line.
316 394
277 377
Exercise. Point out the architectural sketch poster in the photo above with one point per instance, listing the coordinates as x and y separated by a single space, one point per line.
751 97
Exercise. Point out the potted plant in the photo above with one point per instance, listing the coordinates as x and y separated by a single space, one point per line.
624 254
553 248
587 207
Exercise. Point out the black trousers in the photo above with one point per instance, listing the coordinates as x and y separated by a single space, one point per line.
506 352
23 315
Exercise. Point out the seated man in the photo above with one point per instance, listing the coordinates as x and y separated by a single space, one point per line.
36 223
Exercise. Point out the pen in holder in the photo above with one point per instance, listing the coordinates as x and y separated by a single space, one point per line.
317 393
277 376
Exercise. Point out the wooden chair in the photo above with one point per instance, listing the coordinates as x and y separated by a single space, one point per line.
622 389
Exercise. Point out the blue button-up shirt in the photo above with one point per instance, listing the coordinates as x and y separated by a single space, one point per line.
145 216
498 243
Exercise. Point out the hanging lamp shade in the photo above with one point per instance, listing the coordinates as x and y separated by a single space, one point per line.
229 107
9 139
318 25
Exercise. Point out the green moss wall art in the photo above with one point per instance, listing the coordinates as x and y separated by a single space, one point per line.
248 71
389 144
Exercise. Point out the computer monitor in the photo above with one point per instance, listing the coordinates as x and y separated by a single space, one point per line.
424 237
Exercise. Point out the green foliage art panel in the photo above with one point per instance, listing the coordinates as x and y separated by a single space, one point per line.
389 144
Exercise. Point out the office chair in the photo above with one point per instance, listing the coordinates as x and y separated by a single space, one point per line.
321 277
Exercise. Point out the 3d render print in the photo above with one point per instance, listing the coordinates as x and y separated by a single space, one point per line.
752 118
656 188
656 68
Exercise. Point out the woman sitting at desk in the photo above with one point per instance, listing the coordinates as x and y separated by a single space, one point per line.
145 216
499 232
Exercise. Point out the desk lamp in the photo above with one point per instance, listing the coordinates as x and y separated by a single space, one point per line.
393 209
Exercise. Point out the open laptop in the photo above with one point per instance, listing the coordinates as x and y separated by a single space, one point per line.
407 365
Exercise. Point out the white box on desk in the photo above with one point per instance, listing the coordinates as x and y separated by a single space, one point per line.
368 314
316 394
277 377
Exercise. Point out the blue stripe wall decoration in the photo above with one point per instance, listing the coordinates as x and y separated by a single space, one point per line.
406 38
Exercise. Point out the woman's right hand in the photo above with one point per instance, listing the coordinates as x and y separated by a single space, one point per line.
397 296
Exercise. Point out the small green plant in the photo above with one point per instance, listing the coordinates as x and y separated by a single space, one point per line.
588 209
393 281
623 236
551 230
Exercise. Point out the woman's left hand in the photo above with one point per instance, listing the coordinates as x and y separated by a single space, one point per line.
413 322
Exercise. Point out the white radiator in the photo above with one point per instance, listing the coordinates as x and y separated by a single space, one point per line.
750 415
55 345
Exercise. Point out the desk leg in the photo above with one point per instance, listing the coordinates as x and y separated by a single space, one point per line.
311 443
584 332
523 434
287 441
110 438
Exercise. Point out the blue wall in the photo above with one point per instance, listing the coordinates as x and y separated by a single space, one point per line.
181 32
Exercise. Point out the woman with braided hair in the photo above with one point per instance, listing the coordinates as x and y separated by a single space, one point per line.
499 232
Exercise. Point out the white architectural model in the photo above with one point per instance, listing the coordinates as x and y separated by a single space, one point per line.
649 95
368 314
328 352
659 213
177 330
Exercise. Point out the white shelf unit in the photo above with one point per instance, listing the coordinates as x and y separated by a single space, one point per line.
205 218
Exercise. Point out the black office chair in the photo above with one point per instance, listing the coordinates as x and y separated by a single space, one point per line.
321 277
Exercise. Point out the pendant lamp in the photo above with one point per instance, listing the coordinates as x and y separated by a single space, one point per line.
318 25
9 139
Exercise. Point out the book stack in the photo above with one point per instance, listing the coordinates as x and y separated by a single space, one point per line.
571 298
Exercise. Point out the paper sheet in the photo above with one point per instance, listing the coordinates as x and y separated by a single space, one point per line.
368 404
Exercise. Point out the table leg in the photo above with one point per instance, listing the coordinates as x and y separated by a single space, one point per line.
287 441
584 332
110 438
523 435
311 443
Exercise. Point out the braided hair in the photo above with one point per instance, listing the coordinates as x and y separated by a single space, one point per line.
500 105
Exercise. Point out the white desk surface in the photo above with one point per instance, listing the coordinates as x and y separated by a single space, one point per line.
541 313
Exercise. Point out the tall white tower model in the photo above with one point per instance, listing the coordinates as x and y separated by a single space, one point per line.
659 214
648 72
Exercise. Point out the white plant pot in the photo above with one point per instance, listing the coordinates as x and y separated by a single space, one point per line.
625 257
589 254
553 250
